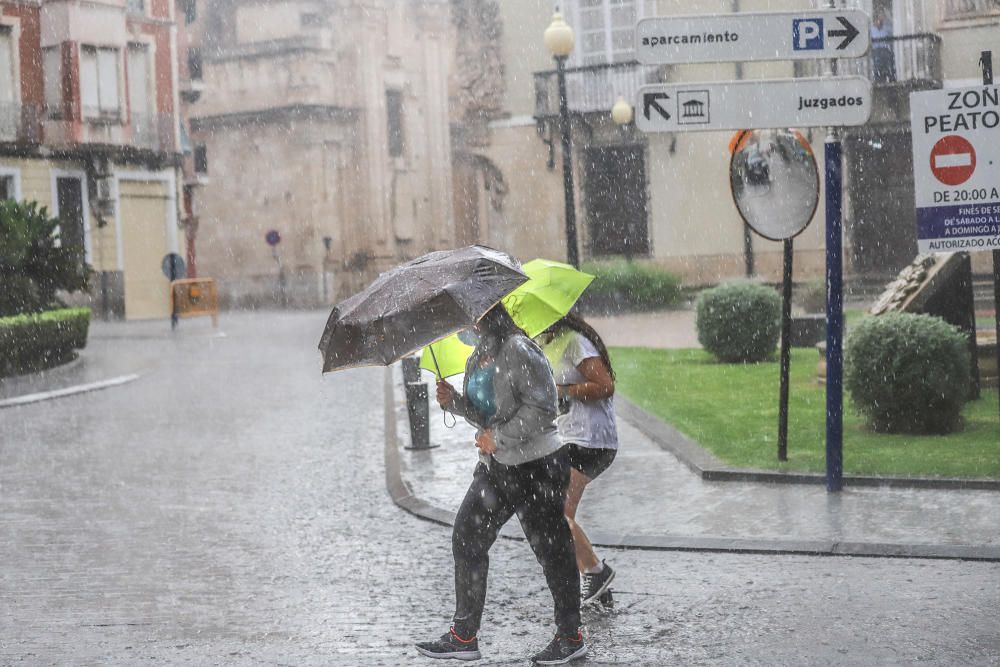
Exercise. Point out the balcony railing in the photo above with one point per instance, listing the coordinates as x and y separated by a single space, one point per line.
20 123
914 59
593 88
153 132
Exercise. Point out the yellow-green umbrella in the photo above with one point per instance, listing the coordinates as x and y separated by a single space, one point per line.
446 357
551 291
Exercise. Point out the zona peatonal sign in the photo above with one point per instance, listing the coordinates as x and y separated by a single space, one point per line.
956 168
754 104
752 36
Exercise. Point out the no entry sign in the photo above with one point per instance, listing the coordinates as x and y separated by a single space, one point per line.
953 160
956 168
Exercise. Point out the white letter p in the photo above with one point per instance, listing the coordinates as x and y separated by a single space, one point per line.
808 31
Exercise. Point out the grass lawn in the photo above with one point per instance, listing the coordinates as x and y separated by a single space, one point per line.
732 410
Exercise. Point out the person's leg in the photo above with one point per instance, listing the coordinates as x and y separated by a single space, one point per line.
541 511
586 559
586 465
482 513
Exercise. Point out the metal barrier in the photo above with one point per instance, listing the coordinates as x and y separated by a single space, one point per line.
193 297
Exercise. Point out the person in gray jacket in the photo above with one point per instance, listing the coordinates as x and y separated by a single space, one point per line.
509 394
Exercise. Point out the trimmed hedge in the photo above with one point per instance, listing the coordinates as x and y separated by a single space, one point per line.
739 322
624 284
908 373
36 341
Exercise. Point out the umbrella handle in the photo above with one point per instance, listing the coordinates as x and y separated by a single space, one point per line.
444 413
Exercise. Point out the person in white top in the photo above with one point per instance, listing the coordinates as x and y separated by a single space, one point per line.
586 385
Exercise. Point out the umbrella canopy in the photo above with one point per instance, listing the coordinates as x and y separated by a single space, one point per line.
446 357
550 293
415 304
536 305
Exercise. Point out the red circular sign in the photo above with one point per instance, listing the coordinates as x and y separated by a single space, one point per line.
953 159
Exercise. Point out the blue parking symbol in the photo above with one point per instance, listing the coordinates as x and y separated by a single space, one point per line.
807 34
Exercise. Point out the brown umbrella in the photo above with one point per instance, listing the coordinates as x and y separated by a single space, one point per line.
415 304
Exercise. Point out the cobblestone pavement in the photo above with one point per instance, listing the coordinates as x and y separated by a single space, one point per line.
230 508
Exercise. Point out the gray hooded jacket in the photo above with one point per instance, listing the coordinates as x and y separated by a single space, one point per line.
525 393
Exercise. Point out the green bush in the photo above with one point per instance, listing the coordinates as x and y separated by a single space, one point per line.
739 322
32 342
627 284
33 266
908 373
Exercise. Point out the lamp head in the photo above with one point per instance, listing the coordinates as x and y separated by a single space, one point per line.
621 112
558 37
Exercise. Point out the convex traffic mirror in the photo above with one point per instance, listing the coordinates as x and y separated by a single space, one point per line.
774 181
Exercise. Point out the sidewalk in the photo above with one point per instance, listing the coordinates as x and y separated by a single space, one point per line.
105 361
650 499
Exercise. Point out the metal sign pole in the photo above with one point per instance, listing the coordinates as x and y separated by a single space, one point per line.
173 301
834 316
786 344
986 62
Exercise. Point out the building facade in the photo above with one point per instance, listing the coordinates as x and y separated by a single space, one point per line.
90 127
327 123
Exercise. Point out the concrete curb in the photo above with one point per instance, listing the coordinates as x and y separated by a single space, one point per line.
402 495
710 468
68 391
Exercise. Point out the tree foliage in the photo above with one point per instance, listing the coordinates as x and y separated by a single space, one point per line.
33 264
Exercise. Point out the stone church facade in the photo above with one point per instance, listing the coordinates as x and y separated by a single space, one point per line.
329 123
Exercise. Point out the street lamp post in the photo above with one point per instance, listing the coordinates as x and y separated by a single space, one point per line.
559 41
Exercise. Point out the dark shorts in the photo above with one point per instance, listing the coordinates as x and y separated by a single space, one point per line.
590 461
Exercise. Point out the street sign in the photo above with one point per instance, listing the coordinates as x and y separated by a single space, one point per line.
956 168
173 267
676 40
757 104
273 238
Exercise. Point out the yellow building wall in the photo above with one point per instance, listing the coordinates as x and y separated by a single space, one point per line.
38 184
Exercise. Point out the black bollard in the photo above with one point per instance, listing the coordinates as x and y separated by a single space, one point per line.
417 405
411 369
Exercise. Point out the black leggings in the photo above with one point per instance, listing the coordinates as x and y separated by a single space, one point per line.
536 492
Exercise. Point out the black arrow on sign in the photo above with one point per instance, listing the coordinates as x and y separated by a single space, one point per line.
651 101
848 33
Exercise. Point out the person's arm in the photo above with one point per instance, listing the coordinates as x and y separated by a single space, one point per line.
598 383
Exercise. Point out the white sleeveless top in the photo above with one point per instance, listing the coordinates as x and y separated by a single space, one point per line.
586 423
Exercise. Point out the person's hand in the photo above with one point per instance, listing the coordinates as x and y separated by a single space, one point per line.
445 394
486 443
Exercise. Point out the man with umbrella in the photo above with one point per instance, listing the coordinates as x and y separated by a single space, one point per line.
509 394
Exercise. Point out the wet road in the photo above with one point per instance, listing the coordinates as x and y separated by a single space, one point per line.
229 508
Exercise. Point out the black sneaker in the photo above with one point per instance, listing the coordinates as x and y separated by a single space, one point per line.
451 646
607 600
561 650
594 586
